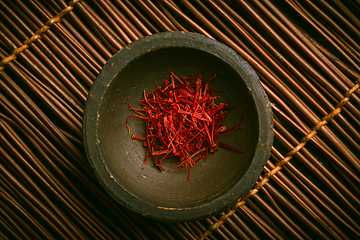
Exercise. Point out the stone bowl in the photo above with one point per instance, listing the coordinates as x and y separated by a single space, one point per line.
118 161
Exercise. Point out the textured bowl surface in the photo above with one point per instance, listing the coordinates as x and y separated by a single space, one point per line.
217 183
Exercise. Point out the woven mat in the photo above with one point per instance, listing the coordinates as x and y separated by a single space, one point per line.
305 53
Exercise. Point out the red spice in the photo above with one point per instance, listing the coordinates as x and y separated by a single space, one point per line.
183 120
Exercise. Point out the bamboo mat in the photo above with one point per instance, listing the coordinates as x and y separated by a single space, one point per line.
306 53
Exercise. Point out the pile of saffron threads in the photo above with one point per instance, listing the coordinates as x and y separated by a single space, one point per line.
183 120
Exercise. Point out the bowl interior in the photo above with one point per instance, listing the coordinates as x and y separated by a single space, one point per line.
124 157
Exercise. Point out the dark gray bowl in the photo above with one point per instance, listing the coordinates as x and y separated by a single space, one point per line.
217 183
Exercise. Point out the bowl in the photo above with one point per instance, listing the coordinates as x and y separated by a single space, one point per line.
118 161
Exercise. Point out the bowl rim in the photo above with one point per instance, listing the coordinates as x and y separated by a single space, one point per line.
92 114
